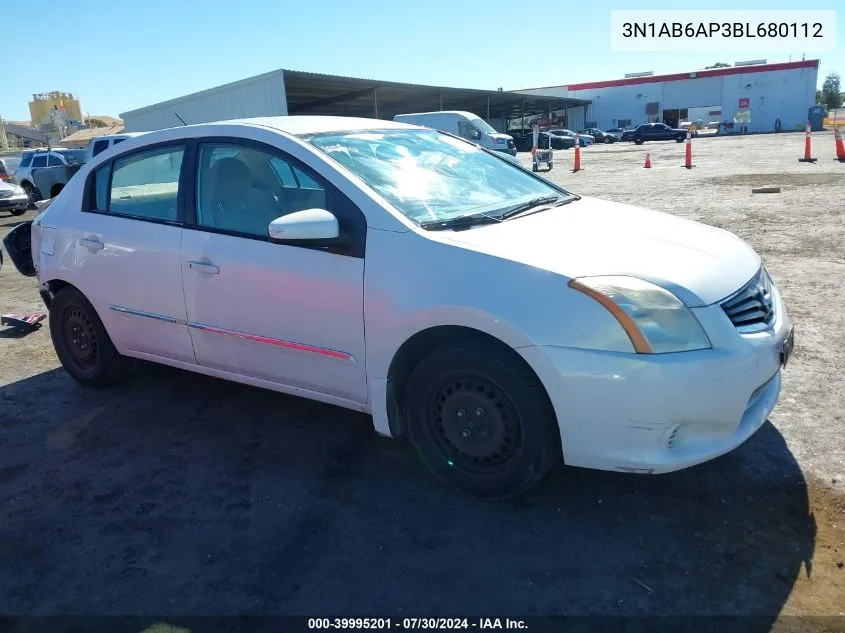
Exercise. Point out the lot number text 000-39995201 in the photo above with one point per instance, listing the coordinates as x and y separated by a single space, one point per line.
412 624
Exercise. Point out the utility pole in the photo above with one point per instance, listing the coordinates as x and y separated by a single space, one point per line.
4 142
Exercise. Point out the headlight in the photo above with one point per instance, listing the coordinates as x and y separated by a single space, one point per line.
655 320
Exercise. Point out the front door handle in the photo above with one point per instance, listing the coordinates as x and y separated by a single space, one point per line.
204 267
91 243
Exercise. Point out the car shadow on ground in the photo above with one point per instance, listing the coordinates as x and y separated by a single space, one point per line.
175 493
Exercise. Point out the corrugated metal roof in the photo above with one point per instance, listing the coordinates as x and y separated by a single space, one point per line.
695 74
82 137
318 93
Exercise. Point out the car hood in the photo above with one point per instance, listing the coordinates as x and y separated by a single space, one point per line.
7 186
699 263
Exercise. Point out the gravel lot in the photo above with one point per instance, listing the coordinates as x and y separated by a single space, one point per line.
176 493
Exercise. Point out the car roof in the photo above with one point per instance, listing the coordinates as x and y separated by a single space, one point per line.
297 125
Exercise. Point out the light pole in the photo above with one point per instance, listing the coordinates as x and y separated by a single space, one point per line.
4 142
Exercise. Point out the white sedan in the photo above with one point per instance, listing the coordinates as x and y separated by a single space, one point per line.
496 320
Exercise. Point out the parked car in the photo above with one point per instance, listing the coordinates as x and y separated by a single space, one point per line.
583 140
658 132
524 141
102 143
52 182
628 134
600 136
8 164
316 256
560 141
13 198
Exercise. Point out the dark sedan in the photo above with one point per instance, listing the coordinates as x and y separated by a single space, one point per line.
658 132
601 136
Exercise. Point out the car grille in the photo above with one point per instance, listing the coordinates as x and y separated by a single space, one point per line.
751 308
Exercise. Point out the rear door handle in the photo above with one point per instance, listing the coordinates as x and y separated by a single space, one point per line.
204 267
91 243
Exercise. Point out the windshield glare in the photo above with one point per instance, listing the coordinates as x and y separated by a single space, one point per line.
430 176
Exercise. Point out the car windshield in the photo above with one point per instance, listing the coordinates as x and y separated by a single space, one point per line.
430 176
74 156
483 126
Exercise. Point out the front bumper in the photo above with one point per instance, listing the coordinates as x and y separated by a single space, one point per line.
14 203
664 412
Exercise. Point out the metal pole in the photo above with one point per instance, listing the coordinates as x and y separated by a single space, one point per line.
488 108
441 102
4 142
375 103
522 125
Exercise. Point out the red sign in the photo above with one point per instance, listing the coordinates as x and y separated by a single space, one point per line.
744 103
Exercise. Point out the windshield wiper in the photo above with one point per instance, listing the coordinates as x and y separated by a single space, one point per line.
531 204
460 222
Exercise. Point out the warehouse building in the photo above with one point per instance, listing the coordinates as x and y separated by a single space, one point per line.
283 92
762 97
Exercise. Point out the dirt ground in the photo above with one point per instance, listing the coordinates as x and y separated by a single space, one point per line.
175 493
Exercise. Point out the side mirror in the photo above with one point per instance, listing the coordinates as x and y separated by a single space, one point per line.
309 226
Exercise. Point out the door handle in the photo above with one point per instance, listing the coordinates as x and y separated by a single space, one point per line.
204 267
91 243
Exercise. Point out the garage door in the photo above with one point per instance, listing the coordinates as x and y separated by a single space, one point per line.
691 93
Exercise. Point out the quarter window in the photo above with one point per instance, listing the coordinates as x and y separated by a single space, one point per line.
26 160
243 189
145 185
54 161
40 160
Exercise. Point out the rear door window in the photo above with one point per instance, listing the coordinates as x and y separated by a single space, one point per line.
54 161
144 185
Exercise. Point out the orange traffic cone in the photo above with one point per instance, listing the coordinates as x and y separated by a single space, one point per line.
688 158
577 155
807 149
647 161
840 148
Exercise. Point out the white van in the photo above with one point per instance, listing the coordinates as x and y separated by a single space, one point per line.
464 124
100 144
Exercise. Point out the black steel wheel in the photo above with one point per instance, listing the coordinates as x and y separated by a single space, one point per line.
81 341
80 338
475 425
480 419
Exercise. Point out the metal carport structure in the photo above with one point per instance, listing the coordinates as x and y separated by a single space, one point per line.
281 92
313 93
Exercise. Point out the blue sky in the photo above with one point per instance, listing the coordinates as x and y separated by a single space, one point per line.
124 54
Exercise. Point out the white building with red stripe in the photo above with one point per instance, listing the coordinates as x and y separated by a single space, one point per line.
777 95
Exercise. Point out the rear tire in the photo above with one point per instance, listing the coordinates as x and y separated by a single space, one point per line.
81 341
18 211
639 141
480 420
607 140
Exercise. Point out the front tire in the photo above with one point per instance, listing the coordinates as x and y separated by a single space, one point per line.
18 211
81 341
31 192
480 420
